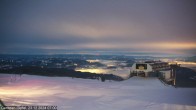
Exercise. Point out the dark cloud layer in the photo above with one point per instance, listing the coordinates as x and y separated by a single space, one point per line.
131 25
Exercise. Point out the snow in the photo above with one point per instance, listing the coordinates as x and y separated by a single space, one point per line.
136 93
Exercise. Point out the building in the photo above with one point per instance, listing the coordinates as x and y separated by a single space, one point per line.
149 68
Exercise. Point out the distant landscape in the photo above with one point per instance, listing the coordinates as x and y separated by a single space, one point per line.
100 67
191 59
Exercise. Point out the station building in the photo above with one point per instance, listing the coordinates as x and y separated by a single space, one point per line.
149 68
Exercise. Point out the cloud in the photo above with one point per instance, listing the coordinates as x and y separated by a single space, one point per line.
128 25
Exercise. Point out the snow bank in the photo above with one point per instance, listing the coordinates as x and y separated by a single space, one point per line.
84 94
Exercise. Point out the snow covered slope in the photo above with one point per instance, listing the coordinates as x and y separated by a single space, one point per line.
84 94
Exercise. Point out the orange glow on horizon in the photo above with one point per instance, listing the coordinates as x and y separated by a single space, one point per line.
171 45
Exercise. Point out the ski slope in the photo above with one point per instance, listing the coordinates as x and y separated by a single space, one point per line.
85 94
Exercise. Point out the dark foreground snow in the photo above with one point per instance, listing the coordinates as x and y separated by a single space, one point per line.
85 94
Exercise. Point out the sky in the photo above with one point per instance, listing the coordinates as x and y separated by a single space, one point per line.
100 26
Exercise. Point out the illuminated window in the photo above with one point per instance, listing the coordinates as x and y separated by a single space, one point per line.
141 66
